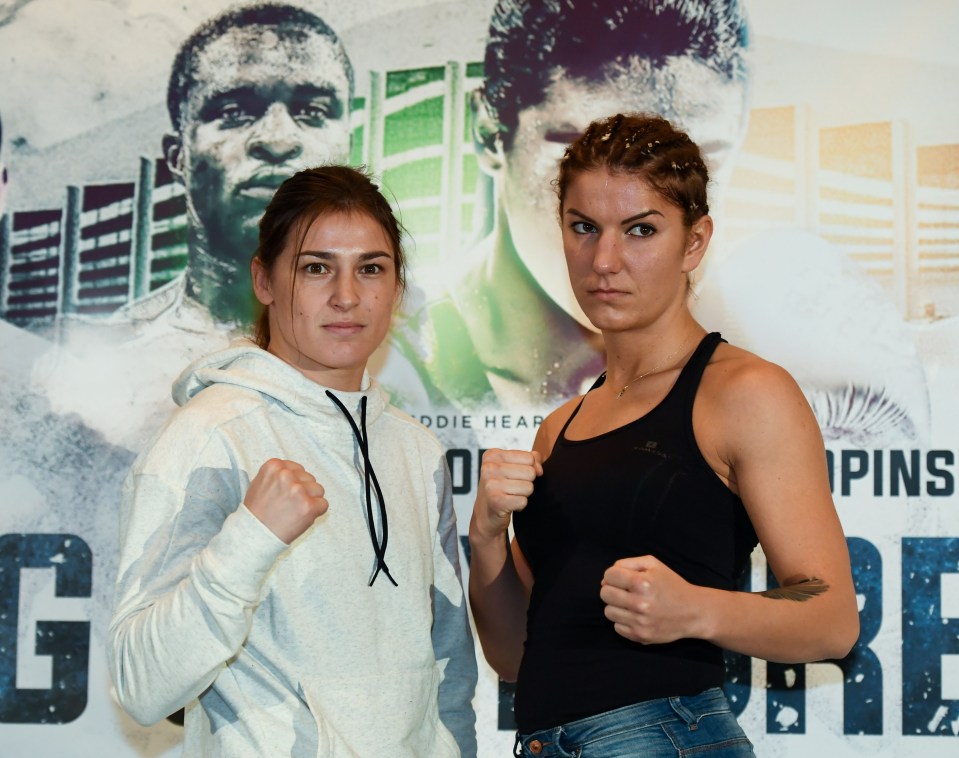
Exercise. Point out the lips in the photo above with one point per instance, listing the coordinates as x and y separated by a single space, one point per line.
261 186
605 293
343 328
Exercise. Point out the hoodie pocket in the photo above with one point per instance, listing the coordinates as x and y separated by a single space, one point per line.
394 713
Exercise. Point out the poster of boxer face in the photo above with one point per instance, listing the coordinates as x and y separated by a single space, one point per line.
140 142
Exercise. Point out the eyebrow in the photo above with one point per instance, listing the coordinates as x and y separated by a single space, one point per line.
325 255
640 216
563 136
253 89
630 220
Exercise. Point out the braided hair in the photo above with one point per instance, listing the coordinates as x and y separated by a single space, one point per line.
647 146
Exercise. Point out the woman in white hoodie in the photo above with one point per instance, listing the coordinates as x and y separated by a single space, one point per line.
289 570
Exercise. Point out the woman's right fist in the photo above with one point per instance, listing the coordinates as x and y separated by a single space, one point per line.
506 482
286 498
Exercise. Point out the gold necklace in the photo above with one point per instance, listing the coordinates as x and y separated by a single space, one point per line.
659 366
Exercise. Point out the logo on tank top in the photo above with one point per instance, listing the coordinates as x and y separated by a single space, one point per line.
651 446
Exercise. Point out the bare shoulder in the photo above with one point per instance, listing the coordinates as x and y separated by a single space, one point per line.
553 424
738 379
752 400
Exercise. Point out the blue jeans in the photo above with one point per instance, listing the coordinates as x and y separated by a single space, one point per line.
664 728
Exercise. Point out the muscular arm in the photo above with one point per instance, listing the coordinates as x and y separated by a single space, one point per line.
778 461
499 598
500 580
758 432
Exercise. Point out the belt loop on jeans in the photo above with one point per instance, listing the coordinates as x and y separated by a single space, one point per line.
684 713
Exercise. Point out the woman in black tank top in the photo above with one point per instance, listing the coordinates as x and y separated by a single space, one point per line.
636 511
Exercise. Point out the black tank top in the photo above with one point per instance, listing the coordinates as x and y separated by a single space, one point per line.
641 489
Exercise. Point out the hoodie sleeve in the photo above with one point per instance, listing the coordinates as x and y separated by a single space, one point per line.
452 638
192 566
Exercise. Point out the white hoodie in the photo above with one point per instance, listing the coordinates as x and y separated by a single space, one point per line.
286 649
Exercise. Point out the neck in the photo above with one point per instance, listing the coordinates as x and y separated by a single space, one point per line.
349 380
222 285
631 356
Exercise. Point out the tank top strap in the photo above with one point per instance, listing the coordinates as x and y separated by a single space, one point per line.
562 432
600 380
691 375
686 385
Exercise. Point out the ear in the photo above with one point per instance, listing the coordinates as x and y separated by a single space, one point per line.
262 286
487 131
173 152
697 240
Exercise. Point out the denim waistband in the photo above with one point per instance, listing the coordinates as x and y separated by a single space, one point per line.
563 740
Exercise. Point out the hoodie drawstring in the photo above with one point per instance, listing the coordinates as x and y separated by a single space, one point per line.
362 439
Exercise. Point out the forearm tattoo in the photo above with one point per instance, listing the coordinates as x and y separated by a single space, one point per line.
799 591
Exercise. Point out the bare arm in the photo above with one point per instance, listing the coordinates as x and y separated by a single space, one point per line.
771 452
779 463
499 583
500 579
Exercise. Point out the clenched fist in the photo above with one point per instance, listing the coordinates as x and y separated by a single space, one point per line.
286 498
650 603
506 481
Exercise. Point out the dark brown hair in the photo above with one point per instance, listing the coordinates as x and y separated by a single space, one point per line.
648 147
312 193
529 41
287 21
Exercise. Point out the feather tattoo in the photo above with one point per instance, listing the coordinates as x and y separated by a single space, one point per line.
799 591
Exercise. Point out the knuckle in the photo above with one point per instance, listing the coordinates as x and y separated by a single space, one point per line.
491 455
490 471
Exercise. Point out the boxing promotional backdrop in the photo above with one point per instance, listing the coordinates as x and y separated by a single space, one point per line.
130 185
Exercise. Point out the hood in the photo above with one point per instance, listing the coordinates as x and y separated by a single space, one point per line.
243 364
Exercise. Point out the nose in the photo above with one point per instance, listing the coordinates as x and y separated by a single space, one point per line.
344 295
276 136
607 254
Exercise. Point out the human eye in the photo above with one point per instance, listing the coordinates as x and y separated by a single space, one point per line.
231 110
315 111
311 113
233 113
583 227
375 268
315 268
642 230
